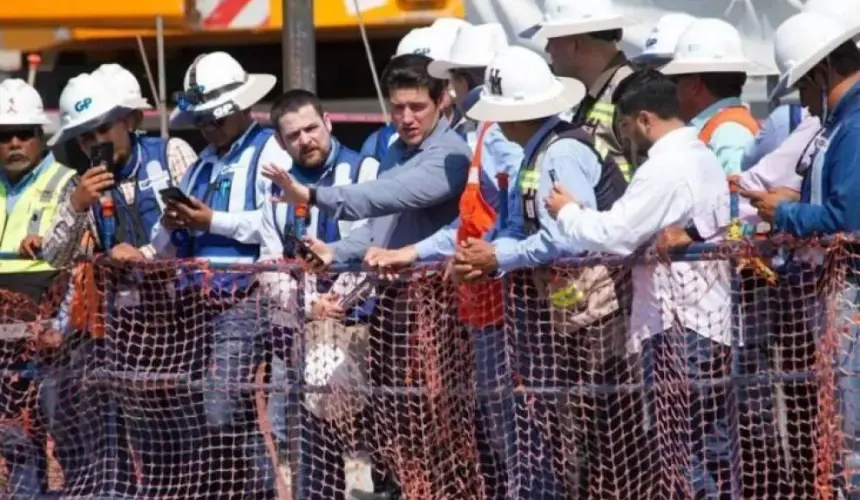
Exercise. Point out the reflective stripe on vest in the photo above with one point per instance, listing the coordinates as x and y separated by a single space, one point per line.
479 304
734 114
32 215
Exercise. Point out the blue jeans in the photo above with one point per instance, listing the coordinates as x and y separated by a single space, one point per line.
25 461
848 365
496 410
688 414
316 460
237 351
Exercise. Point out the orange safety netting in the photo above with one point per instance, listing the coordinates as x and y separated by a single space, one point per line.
177 383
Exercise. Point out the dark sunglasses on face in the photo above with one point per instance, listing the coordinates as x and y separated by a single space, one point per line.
23 134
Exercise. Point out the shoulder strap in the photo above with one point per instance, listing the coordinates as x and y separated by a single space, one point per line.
735 114
477 157
259 142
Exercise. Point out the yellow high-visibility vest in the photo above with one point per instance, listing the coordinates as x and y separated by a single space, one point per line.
32 215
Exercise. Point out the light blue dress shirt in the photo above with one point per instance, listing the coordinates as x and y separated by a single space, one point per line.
774 131
499 156
729 141
14 191
578 169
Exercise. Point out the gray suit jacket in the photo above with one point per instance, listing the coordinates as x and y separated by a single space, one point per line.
422 185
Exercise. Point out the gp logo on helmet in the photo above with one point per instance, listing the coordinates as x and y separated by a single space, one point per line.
83 104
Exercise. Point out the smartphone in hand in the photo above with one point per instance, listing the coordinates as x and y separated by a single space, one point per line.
173 193
303 251
101 154
357 294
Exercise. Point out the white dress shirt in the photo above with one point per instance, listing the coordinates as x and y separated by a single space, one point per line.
681 182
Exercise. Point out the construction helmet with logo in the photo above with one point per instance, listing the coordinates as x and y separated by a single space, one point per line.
576 17
803 41
124 84
663 38
216 86
20 104
710 46
87 103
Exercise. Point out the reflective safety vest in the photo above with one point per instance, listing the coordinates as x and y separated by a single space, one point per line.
479 304
134 221
596 114
31 216
731 114
595 283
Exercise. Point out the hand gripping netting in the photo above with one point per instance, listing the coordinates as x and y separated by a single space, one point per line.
176 380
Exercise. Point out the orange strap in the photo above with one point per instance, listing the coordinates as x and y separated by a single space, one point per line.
478 304
476 215
734 114
86 308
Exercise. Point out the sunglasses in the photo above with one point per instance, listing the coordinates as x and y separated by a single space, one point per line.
23 134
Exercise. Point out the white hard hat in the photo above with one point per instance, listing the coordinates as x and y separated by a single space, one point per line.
474 47
85 104
576 17
217 85
519 85
803 41
20 104
844 11
124 84
661 42
710 46
426 42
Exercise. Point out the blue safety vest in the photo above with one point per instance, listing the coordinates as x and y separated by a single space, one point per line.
217 194
343 167
134 221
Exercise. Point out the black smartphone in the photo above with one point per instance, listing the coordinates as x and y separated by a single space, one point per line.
303 251
173 193
357 294
552 177
101 154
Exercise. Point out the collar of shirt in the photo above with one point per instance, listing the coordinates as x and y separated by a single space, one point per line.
209 154
846 102
699 121
14 191
534 142
315 175
404 154
616 62
29 177
133 163
668 144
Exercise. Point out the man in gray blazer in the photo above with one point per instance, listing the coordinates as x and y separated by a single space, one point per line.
416 193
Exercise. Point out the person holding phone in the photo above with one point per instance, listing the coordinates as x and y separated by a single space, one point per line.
112 208
554 153
96 117
221 222
319 159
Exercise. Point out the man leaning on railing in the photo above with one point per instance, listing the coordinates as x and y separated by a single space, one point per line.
664 192
32 183
817 56
554 338
420 181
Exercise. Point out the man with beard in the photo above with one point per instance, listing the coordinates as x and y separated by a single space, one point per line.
304 130
32 185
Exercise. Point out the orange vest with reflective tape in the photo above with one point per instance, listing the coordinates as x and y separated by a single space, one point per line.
479 304
734 114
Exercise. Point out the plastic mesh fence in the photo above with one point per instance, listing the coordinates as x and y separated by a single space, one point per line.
602 378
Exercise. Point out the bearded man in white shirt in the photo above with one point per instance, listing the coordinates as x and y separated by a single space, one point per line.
680 318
